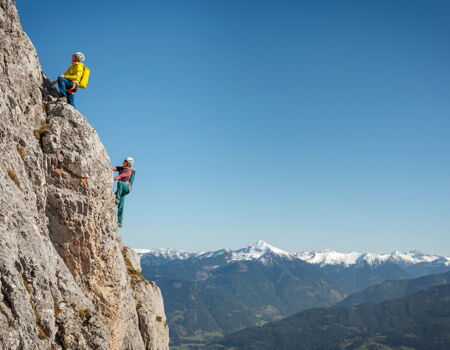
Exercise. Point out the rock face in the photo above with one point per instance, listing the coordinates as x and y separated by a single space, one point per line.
66 279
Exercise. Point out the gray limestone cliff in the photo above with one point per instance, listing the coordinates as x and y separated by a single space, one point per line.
67 281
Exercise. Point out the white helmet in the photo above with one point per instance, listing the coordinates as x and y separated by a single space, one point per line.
80 56
130 161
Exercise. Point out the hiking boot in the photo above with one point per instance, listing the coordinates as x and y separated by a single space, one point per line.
119 224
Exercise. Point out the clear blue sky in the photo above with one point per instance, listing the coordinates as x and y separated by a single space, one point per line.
307 124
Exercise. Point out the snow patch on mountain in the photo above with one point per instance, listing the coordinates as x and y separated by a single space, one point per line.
215 254
329 257
166 253
404 259
258 250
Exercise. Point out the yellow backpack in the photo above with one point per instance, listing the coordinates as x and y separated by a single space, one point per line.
85 78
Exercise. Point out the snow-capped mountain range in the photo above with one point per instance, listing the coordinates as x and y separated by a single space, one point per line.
159 256
262 283
262 250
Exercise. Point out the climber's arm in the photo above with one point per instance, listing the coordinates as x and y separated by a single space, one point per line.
126 173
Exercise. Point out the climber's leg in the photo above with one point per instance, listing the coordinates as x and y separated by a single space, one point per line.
120 209
122 191
119 190
62 86
70 92
67 88
70 99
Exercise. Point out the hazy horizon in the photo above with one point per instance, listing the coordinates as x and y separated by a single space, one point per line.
292 250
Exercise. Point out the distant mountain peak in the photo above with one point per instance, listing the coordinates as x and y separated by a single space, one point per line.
260 245
258 250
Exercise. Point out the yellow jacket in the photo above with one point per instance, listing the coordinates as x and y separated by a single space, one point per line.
75 71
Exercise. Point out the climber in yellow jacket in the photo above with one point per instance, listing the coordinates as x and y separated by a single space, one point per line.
69 82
